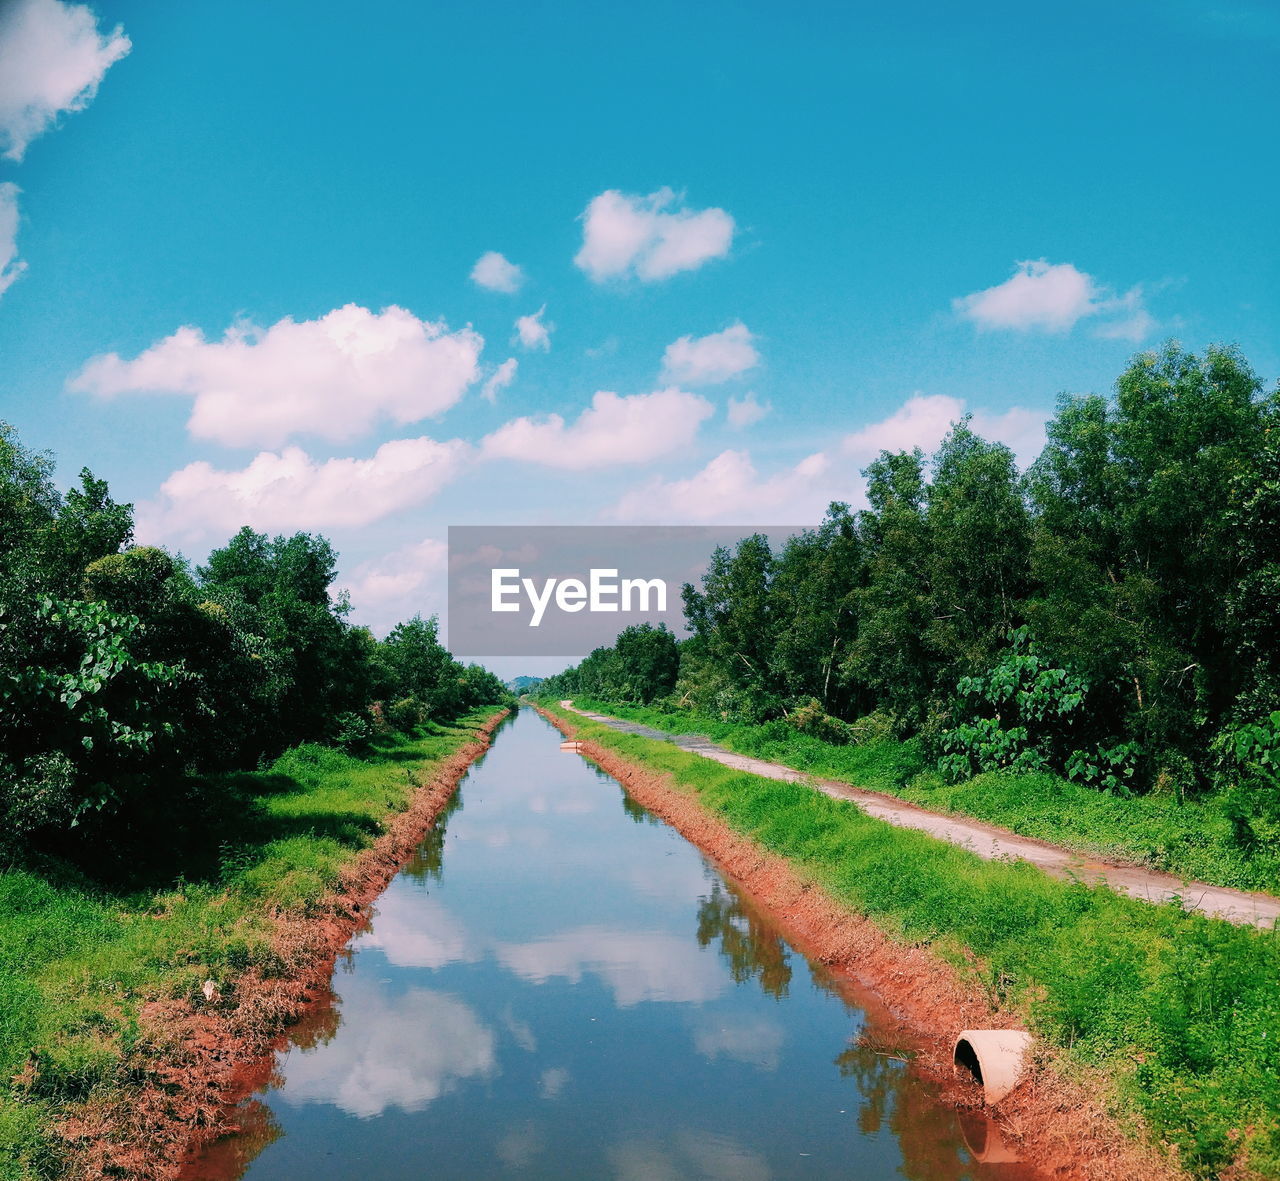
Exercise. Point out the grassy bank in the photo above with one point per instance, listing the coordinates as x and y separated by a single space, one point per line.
1180 1011
78 961
1192 839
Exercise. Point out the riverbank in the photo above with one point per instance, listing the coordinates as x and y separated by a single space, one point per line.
1192 838
988 841
1157 1029
129 1022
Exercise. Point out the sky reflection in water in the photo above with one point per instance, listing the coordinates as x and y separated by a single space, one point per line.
559 986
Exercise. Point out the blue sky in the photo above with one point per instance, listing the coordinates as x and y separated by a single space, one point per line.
865 219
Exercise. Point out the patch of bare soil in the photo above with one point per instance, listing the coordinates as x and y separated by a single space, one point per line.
198 1056
1054 1123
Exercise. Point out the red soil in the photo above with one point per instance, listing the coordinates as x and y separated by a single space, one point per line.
197 1058
1057 1124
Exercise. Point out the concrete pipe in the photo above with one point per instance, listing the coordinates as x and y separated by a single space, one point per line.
982 1138
574 747
995 1057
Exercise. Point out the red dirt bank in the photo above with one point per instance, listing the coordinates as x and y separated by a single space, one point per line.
1056 1124
195 1060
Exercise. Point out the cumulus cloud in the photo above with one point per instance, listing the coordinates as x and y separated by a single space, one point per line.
334 377
636 965
374 1066
746 411
707 360
730 488
408 581
499 379
52 58
755 1041
651 237
418 931
289 491
11 266
1055 297
613 430
495 273
532 333
923 421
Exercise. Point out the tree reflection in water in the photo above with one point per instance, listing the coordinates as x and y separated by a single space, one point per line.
427 862
752 948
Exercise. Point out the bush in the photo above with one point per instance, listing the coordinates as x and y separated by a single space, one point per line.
812 719
407 714
1248 769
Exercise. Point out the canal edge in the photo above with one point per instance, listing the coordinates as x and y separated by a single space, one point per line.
1054 1117
197 1063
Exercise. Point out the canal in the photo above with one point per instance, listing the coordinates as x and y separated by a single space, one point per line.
560 986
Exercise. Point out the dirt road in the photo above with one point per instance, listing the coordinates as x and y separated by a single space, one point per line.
986 840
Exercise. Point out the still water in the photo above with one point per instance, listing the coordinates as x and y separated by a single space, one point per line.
560 986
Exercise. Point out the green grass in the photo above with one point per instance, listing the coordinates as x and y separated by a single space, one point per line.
1190 839
78 961
1180 1012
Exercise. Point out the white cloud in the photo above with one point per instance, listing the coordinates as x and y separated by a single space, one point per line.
498 381
406 582
1054 297
614 430
533 333
494 272
730 488
374 1066
649 237
418 931
289 491
755 1041
52 59
746 412
334 377
636 965
707 360
11 266
552 1081
923 421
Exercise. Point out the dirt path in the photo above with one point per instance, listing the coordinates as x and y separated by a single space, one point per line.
1058 1120
986 840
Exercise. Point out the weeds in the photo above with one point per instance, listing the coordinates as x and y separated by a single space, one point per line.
78 961
1195 839
1179 1010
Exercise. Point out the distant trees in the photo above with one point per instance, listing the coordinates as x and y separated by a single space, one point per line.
121 669
1111 614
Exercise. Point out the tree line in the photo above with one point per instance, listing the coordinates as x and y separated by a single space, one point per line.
1111 614
124 671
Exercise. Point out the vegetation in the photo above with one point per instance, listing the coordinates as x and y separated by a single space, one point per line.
1108 619
1178 1011
125 676
183 753
79 960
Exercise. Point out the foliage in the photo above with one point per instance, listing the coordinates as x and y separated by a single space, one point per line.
122 671
1249 769
1136 566
1173 1012
1028 715
79 961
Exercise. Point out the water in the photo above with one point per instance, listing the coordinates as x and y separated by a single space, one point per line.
560 986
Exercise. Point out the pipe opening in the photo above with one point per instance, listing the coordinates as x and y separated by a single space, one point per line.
967 1057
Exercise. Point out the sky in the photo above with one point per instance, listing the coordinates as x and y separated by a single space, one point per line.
370 273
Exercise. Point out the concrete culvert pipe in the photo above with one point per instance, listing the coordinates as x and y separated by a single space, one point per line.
576 747
995 1057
